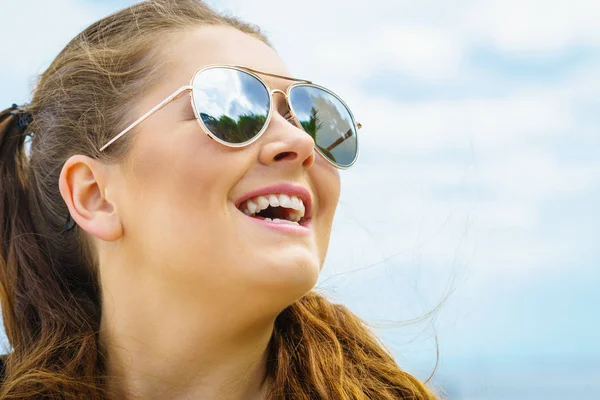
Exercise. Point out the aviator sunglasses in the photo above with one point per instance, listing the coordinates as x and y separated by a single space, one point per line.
234 106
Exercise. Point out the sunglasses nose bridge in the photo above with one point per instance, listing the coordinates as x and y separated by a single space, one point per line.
287 100
281 92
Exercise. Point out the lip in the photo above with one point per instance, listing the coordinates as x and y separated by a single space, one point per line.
282 188
302 229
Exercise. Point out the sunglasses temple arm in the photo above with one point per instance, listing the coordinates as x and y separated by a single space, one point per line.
159 106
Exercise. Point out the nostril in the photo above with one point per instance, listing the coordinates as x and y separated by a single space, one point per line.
310 159
285 155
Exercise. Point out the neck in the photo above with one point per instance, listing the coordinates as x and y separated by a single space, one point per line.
179 352
204 365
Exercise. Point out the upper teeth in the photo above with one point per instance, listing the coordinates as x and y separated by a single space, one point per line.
257 204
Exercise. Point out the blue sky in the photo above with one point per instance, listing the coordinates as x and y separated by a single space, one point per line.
479 174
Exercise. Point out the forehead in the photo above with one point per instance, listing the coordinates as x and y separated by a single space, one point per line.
210 45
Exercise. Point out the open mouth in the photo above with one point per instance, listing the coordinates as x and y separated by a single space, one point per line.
276 208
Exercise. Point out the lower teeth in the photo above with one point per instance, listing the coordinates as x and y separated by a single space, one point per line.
280 221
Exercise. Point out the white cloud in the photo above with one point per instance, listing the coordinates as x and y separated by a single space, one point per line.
485 124
418 52
534 25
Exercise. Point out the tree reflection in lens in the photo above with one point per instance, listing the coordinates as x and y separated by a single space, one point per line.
229 130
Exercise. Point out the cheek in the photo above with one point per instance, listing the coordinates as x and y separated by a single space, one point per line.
326 180
177 192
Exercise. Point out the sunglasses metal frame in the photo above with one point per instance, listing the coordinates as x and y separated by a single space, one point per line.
254 73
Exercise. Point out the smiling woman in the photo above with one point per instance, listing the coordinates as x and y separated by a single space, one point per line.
173 254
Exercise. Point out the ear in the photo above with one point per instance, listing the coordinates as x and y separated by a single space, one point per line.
83 186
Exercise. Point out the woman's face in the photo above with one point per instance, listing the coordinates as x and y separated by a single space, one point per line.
178 192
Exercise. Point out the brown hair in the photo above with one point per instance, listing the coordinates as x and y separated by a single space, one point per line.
49 290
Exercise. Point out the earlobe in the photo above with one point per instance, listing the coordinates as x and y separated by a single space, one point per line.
83 184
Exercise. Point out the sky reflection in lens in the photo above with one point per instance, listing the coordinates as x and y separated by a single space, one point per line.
232 104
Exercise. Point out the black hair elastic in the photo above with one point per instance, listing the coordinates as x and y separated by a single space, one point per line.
24 117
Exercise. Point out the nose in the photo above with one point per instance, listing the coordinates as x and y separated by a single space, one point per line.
284 142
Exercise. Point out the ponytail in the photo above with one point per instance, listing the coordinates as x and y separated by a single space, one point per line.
17 247
51 332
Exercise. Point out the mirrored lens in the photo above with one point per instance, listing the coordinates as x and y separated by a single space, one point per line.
324 117
233 104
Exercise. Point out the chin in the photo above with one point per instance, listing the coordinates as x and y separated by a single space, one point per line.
288 278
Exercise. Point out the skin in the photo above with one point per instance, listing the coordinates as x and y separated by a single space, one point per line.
191 286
